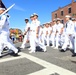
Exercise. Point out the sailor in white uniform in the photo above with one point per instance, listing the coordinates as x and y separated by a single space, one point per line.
53 34
34 34
46 34
30 41
4 34
68 32
74 37
26 34
59 28
40 33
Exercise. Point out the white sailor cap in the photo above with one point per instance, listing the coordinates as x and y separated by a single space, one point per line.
68 16
58 19
48 22
73 19
54 20
31 16
34 14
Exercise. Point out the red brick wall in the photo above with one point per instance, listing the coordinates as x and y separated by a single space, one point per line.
65 10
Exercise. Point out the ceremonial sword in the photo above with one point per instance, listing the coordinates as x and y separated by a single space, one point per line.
7 10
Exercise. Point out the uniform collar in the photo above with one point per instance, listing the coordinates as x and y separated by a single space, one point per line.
36 20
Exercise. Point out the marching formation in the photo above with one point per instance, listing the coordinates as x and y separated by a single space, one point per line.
31 33
58 34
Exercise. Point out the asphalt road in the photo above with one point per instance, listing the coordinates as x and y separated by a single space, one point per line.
51 62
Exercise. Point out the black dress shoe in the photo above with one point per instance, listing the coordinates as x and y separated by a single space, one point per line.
11 52
62 50
74 55
0 56
15 55
59 46
19 49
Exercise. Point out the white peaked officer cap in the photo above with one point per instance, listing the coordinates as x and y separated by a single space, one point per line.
34 14
68 16
31 16
2 9
2 6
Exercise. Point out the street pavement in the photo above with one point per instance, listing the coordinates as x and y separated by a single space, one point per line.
51 62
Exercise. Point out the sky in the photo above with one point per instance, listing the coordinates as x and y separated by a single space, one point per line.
24 8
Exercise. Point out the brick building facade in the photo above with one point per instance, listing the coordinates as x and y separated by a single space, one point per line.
69 9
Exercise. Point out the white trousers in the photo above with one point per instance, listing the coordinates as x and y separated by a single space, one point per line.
34 41
45 38
5 41
26 37
75 44
52 38
57 39
68 41
24 42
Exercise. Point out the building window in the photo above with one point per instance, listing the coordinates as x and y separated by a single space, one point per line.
62 13
74 14
56 15
69 10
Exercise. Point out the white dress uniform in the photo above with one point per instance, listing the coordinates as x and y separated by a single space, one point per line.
53 35
50 33
75 37
68 32
4 35
26 37
33 39
46 35
40 34
58 34
62 39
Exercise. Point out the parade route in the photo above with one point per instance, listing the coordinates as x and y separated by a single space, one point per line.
48 68
34 43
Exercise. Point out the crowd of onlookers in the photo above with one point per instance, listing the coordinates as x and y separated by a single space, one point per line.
16 38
